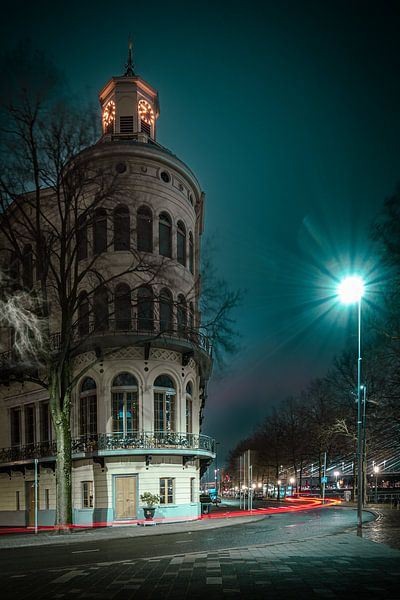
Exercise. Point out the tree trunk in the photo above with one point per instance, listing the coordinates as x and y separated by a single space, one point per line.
63 476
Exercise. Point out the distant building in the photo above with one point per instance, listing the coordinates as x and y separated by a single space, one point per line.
137 411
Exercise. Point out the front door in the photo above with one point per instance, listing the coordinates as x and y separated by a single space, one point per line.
125 497
30 502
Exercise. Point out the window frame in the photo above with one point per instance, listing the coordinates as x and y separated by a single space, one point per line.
181 253
121 225
88 494
164 488
144 224
167 416
126 391
88 407
165 235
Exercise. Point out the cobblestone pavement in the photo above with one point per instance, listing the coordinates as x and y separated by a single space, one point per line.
334 565
337 566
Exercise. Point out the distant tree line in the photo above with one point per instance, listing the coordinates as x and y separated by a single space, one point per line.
323 417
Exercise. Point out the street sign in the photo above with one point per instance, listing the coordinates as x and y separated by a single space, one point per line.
324 480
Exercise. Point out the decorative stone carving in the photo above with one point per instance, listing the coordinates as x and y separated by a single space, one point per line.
128 352
167 355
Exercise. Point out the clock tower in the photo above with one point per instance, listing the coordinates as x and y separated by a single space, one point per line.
129 106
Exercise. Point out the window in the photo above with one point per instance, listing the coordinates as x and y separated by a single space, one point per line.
83 314
47 498
181 244
87 494
81 241
27 267
189 409
145 309
15 418
122 229
125 410
164 404
144 230
165 310
164 234
30 423
45 422
182 323
191 253
122 306
100 231
101 309
88 407
193 490
167 491
165 176
17 500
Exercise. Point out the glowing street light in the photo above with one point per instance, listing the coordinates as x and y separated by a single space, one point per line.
351 291
336 474
376 471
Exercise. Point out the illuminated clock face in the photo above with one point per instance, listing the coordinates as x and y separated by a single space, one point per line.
109 114
146 113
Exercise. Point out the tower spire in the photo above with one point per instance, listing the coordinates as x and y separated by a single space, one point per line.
129 72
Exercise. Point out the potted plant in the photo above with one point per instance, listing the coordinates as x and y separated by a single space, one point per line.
150 501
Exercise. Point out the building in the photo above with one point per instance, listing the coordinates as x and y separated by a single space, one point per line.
137 408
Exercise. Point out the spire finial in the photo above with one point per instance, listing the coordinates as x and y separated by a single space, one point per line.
129 72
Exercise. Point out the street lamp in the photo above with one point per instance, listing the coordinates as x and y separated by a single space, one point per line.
292 481
351 291
376 471
336 474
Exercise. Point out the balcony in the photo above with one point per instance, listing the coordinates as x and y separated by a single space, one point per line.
121 333
189 445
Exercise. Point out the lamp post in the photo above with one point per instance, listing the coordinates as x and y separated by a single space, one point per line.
350 291
376 471
292 482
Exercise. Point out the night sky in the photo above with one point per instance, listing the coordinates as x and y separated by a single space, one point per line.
288 112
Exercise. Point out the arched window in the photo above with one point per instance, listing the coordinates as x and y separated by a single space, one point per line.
83 314
191 253
100 231
101 309
164 404
164 235
182 318
125 411
81 238
144 230
181 244
145 309
122 307
165 310
27 267
88 407
122 228
189 408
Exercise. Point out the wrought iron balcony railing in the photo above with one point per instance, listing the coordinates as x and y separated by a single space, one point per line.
143 329
106 443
